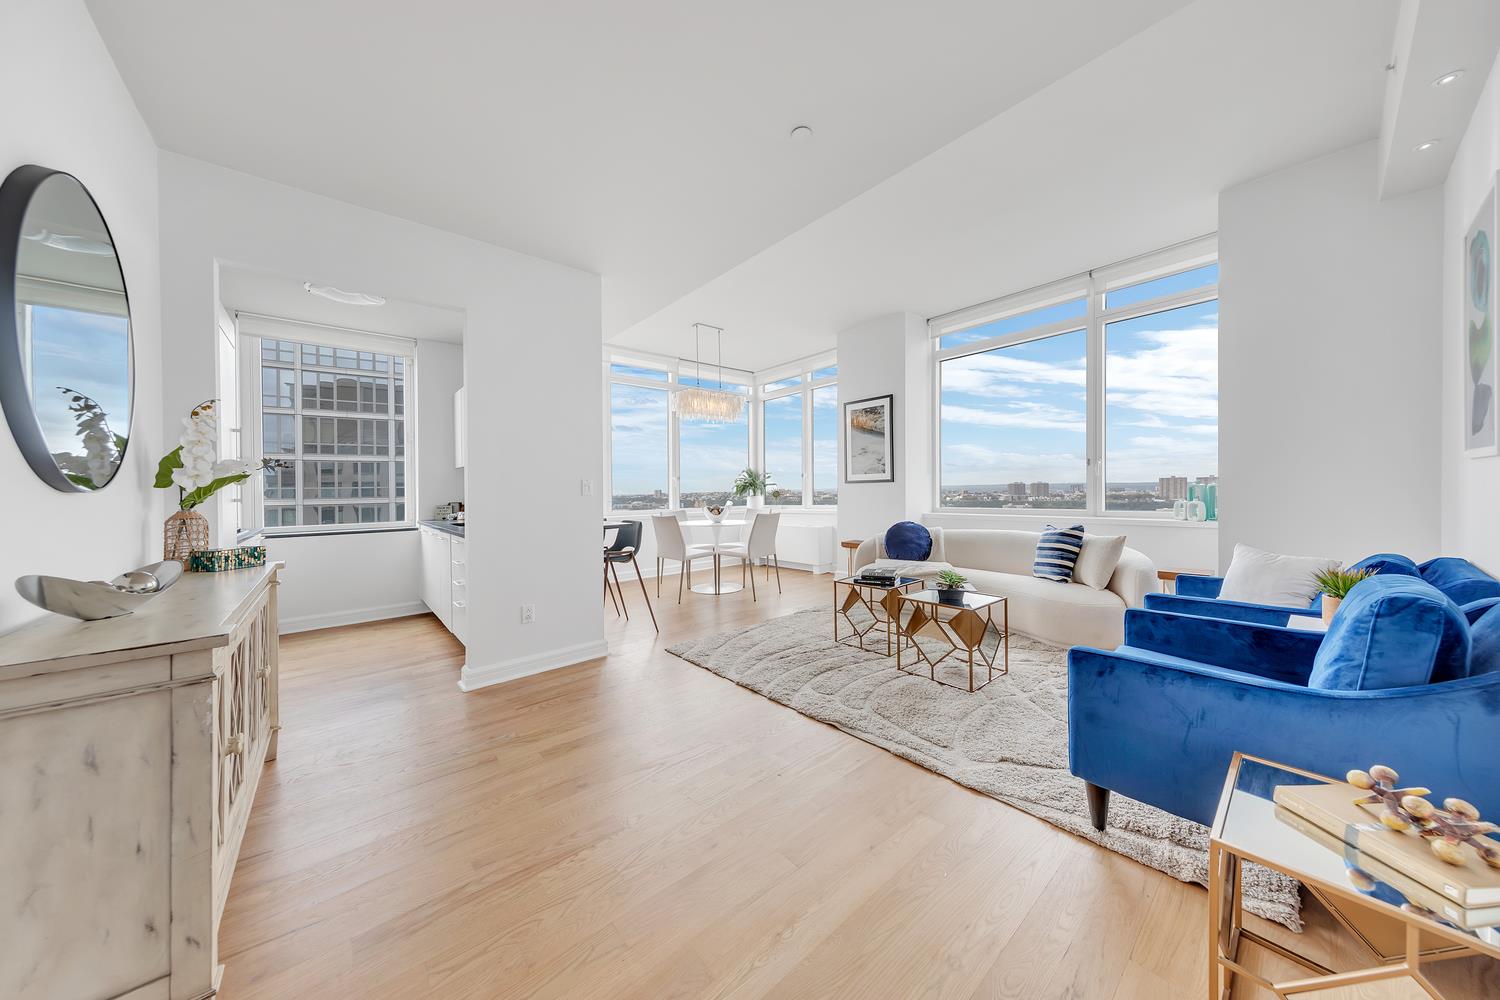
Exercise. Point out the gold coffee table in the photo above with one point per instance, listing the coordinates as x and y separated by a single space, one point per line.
969 620
1398 932
883 603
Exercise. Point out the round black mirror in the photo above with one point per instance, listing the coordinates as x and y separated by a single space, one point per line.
65 353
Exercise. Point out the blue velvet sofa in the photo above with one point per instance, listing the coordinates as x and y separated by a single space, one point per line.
1458 578
1401 678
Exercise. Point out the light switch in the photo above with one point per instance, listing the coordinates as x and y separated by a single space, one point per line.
586 487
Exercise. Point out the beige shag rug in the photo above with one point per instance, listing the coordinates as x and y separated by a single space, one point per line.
1009 741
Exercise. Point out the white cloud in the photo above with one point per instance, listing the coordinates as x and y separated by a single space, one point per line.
1039 416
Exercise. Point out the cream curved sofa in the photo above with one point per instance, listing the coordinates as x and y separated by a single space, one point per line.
998 563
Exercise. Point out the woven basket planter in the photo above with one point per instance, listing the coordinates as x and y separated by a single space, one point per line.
184 531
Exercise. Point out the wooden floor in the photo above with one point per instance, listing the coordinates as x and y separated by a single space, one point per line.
638 827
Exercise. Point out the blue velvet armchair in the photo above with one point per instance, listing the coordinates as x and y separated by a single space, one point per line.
1159 718
1458 578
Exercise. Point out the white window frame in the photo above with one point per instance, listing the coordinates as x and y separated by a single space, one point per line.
675 370
1092 286
251 328
803 369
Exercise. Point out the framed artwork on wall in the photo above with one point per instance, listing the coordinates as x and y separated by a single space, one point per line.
869 452
1481 416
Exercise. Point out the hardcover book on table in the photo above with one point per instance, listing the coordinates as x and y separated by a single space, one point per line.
1333 809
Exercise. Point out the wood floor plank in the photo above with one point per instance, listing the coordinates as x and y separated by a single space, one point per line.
639 827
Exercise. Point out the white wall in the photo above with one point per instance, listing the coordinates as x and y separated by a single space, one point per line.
533 538
1471 486
1329 381
886 355
440 372
66 108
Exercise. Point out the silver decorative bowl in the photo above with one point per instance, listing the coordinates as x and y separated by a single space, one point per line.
94 599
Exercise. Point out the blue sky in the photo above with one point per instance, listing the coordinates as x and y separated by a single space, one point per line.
84 351
1020 413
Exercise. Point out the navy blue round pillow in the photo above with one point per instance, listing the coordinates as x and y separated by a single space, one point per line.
909 541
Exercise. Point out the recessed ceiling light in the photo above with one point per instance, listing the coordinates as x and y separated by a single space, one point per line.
339 295
1423 147
1447 78
801 132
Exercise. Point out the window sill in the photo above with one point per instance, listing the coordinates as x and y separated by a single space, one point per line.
272 535
1109 519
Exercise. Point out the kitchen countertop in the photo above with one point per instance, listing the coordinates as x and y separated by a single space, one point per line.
450 527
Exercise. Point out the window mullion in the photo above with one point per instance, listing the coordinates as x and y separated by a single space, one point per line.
1094 443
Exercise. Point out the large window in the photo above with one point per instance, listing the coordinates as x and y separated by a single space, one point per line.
338 414
799 420
1020 380
789 428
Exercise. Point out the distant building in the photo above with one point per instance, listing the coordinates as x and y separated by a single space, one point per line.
1207 480
1040 489
1016 490
1172 487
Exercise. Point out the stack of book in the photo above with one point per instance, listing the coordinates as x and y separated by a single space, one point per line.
1467 895
876 579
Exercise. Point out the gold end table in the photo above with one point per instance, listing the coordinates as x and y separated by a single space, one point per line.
1400 937
972 618
881 601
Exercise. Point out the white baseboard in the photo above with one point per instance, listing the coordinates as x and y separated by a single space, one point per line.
358 616
472 678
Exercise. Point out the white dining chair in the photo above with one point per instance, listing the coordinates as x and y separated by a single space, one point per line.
670 544
760 544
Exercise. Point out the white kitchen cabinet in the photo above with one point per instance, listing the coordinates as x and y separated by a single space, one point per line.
445 578
460 428
437 575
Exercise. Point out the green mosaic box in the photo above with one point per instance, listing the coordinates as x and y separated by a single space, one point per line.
222 560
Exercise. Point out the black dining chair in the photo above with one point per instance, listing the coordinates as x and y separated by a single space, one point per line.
622 550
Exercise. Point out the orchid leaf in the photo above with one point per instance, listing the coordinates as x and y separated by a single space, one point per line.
172 460
202 493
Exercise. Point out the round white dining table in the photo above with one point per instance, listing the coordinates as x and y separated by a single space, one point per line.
716 529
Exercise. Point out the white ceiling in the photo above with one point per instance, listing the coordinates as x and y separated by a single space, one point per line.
1433 38
1125 155
283 296
645 141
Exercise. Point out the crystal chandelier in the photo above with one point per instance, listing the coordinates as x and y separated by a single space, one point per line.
712 406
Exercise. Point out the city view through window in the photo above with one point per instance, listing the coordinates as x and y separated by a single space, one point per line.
1014 419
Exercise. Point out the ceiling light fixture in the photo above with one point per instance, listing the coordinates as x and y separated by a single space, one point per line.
339 295
1447 78
1423 147
801 132
710 406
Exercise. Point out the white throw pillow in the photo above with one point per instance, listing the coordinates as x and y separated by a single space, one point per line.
1097 562
1259 577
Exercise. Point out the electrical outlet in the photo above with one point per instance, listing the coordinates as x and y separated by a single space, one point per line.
528 614
586 487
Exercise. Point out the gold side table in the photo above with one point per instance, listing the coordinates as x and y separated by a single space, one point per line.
1401 935
971 618
881 601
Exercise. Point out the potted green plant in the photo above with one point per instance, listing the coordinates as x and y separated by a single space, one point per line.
950 587
754 485
1336 584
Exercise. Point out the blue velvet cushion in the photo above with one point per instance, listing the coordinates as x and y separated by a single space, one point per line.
1057 552
1459 579
1484 636
1474 610
1389 563
1390 632
908 540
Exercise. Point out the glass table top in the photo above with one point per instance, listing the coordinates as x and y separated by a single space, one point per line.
1251 825
973 600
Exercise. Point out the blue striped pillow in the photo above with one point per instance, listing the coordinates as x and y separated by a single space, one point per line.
1056 552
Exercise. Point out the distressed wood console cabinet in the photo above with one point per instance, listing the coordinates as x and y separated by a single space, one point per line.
130 750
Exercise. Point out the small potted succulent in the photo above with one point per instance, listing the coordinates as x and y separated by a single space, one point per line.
950 587
1336 584
754 486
